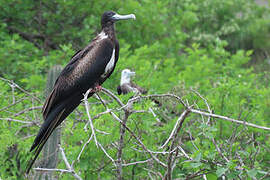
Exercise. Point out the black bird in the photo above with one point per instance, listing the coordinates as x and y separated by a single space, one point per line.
88 68
126 85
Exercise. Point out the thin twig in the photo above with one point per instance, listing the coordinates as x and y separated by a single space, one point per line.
121 145
179 120
190 136
168 175
137 98
158 174
219 151
88 114
205 101
10 105
138 139
64 157
16 120
154 114
26 110
13 91
79 156
70 169
105 152
212 139
96 117
24 91
137 162
110 94
229 119
50 170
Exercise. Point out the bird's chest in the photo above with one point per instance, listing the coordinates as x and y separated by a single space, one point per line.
110 65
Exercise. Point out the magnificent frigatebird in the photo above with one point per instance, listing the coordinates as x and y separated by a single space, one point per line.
126 85
88 68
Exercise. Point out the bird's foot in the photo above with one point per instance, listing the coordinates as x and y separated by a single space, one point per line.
97 88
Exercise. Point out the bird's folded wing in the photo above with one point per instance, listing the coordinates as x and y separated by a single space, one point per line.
80 74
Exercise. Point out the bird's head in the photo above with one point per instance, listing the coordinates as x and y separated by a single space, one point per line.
126 76
109 17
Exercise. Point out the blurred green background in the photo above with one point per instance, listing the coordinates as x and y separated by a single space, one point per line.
220 48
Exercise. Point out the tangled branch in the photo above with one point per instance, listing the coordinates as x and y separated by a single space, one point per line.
169 153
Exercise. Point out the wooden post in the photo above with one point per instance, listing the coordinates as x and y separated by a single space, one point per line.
50 149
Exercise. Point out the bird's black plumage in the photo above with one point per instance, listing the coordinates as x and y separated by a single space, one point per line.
88 68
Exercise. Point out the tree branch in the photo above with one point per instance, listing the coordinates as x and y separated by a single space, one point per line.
229 119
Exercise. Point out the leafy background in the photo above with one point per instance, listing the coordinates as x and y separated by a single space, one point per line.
219 48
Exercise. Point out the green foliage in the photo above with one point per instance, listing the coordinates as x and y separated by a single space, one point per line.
219 48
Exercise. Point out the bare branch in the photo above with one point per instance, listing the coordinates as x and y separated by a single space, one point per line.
13 92
110 94
229 119
168 175
70 169
212 139
26 110
64 157
184 153
179 120
137 98
205 101
17 86
137 162
88 114
10 105
121 145
157 174
154 114
190 136
49 170
138 139
96 117
16 120
79 156
219 151
105 152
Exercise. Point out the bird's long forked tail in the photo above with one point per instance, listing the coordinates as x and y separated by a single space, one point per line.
42 137
53 120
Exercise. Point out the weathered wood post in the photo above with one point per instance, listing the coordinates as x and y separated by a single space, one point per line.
50 149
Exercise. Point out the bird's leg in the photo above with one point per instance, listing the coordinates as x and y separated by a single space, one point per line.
96 88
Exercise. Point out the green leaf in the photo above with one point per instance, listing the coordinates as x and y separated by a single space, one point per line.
252 173
198 157
220 171
195 165
211 176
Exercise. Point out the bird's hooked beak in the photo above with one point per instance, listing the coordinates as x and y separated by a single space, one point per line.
118 17
132 73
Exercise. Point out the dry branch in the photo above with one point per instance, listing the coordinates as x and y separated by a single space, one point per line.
229 119
27 110
88 114
179 123
16 120
166 158
138 139
121 146
70 169
17 86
